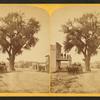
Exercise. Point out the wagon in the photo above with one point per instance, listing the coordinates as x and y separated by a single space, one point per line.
75 69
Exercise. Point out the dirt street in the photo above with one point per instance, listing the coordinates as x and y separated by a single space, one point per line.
83 83
24 81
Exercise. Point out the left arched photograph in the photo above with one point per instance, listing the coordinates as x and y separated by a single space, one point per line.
24 49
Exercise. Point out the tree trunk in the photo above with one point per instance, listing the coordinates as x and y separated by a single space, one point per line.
87 63
11 62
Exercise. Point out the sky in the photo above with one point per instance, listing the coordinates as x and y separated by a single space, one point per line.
60 16
41 49
50 29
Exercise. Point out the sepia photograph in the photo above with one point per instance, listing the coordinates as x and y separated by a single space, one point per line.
49 50
24 49
75 50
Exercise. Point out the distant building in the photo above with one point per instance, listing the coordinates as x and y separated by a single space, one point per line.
42 66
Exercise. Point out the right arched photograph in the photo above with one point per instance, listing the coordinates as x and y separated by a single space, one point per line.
75 50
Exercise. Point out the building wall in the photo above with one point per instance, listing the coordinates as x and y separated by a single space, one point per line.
53 67
48 63
58 50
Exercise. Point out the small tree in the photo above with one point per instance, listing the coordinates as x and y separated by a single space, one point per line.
17 34
84 34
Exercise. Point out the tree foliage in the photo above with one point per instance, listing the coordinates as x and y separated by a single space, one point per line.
16 33
83 33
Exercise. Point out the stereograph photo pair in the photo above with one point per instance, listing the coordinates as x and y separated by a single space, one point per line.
43 52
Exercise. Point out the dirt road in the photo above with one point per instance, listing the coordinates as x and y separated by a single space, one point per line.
85 83
24 81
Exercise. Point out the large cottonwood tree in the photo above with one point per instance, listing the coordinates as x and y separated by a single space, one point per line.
16 34
83 33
